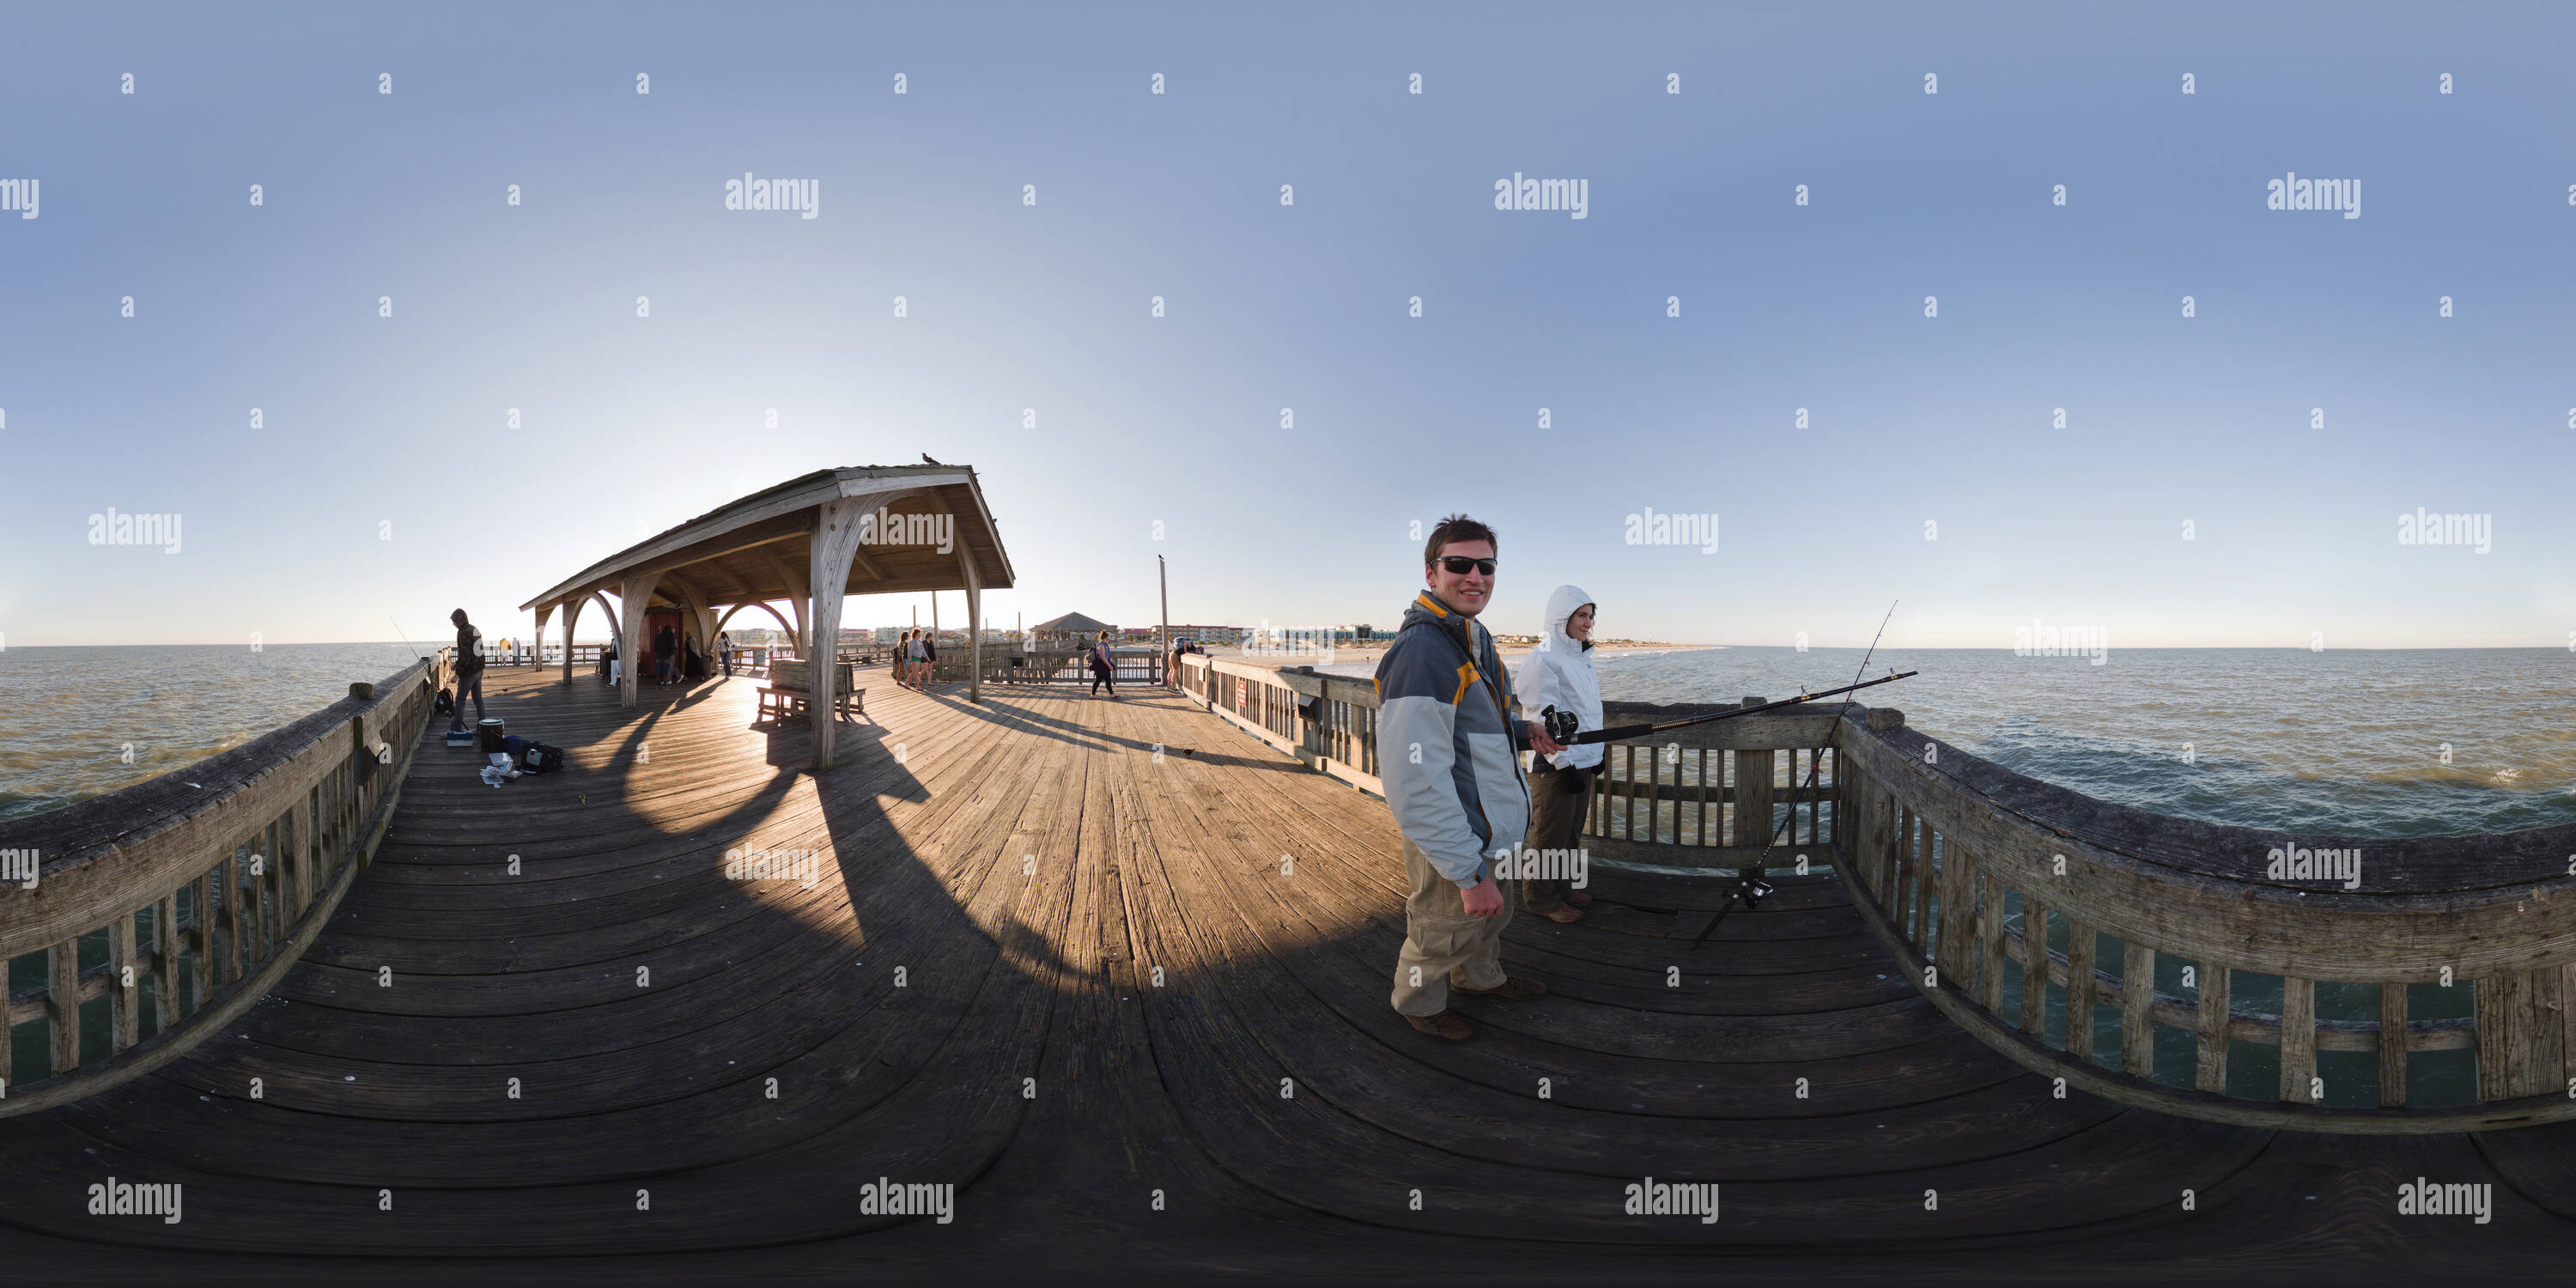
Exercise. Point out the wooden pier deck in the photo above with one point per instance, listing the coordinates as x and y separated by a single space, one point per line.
1030 867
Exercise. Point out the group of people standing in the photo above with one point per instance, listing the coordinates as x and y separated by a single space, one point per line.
915 654
1451 727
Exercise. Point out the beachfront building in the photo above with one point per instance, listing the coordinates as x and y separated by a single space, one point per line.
1073 630
807 543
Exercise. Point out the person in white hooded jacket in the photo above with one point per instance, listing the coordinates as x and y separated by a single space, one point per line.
1558 673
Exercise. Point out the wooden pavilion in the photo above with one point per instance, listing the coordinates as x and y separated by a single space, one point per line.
1072 629
865 530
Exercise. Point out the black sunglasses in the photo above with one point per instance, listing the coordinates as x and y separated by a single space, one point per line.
1460 565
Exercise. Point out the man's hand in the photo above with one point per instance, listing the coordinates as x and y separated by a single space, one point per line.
1485 900
1539 740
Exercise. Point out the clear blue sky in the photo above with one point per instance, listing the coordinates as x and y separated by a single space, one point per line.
632 424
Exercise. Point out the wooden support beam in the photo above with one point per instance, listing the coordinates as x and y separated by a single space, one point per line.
1992 943
165 963
201 963
2393 1044
974 626
2521 1044
2080 990
124 986
2211 1071
62 1004
571 614
2298 1039
631 599
835 543
2034 968
2137 1009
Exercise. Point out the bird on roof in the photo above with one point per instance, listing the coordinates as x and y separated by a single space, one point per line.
925 459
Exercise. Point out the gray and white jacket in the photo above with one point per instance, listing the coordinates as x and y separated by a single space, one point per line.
1449 738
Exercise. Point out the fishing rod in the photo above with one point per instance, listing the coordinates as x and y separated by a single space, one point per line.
1750 888
1564 720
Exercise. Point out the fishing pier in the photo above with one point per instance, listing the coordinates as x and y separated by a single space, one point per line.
1117 971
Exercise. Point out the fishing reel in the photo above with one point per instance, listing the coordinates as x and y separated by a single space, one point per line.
1561 725
1751 888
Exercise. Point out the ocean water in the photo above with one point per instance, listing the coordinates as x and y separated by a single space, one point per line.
2378 743
2361 743
76 722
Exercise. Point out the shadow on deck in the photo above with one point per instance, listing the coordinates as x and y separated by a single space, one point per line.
1065 972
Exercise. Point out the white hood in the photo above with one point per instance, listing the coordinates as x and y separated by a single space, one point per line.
1558 673
1560 608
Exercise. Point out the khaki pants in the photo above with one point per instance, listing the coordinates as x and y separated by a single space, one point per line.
1556 819
1442 944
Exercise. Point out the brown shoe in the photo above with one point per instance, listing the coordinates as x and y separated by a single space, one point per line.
1512 989
1562 916
1446 1024
1578 898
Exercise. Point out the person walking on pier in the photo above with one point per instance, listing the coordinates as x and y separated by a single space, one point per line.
724 651
1558 673
1448 749
666 646
1104 668
469 669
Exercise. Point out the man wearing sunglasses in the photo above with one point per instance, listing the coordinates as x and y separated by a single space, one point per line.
1449 739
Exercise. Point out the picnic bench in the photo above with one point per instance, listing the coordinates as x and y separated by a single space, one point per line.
791 688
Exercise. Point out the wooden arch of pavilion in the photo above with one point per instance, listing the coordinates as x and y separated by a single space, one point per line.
867 530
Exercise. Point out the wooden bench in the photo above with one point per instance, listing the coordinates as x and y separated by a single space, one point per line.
790 690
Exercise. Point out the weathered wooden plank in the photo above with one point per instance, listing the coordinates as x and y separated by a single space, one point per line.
165 962
1900 874
2393 1045
62 1005
1753 793
228 904
2137 1013
2210 1072
1957 951
124 986
2298 1039
2080 989
2034 967
2521 1041
1993 942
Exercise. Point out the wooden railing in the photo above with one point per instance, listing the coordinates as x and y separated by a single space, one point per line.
2455 948
2013 901
174 904
1050 666
1672 802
